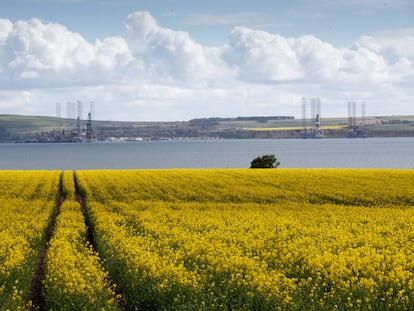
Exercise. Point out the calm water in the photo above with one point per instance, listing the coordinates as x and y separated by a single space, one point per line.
347 153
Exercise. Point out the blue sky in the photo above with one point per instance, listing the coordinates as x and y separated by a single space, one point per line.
339 22
173 60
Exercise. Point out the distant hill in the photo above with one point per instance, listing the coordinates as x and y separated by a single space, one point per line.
19 124
43 129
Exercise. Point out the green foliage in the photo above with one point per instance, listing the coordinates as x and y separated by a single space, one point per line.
265 161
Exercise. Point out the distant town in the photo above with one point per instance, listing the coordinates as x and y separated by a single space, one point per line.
14 128
78 126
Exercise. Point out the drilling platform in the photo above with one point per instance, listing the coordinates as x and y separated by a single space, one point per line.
356 129
74 128
314 131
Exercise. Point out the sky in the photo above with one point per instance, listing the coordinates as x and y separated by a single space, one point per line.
176 60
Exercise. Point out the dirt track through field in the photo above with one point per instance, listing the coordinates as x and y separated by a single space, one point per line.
89 234
35 294
35 299
81 200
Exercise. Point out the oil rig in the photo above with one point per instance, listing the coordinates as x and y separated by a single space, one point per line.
356 129
74 128
314 130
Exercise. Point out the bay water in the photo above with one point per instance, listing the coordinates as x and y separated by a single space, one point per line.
292 153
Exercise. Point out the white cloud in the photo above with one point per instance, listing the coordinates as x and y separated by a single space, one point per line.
385 60
260 56
319 60
162 74
53 56
391 47
5 27
171 55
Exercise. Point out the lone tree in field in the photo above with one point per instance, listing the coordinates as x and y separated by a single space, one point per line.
265 161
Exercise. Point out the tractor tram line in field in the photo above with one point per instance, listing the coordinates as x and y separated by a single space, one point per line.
28 202
35 299
74 276
81 199
285 239
90 237
217 239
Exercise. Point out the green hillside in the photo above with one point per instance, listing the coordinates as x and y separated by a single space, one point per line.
19 124
42 129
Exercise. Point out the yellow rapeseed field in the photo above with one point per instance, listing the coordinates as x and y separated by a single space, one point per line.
225 239
74 278
27 200
240 239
